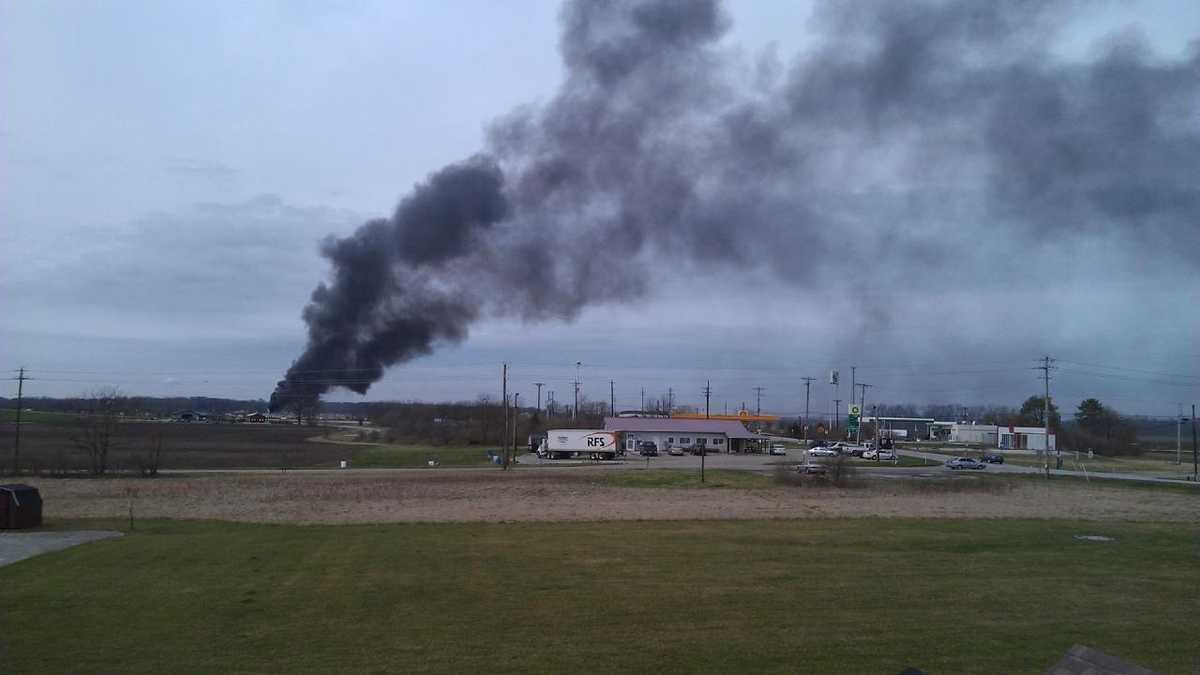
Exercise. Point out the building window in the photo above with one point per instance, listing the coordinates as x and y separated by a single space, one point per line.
670 439
718 441
684 439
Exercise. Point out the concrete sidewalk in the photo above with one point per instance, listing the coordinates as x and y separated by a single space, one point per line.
16 546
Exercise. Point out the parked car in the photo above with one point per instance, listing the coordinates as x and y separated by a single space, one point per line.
812 468
854 451
879 454
675 451
965 463
648 449
993 458
778 449
822 451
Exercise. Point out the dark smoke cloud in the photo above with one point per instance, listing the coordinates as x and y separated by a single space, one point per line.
906 127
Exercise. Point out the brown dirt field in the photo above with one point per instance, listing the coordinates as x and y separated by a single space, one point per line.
486 495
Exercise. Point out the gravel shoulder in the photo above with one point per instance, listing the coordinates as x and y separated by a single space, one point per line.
448 495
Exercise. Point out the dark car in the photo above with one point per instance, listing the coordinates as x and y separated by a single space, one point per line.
992 458
648 449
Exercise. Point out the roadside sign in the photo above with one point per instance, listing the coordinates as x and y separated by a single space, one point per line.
855 410
852 419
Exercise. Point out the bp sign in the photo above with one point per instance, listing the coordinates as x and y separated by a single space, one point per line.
852 421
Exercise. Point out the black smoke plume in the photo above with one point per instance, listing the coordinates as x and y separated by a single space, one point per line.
907 127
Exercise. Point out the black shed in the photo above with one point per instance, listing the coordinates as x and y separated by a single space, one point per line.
20 507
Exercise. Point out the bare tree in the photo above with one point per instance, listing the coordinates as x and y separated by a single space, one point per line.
148 464
484 401
100 428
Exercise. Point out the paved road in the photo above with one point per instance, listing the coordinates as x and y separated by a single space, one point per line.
754 463
1016 468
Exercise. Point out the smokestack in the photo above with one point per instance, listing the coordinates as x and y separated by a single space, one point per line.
918 125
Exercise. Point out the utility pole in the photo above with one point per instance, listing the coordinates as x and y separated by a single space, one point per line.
670 401
612 398
575 415
837 408
539 385
1045 368
875 419
1195 461
516 417
504 394
758 400
862 406
643 406
1178 428
707 394
17 436
807 385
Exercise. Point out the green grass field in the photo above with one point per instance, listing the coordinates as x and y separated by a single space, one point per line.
9 416
824 596
416 455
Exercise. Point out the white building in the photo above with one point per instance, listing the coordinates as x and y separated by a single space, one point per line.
1004 438
1024 438
671 432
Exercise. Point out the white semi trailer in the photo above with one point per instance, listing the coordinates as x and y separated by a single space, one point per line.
589 443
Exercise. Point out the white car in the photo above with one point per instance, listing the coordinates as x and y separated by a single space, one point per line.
879 454
822 451
777 449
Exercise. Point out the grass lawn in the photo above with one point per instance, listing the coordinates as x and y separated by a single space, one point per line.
827 596
903 460
416 455
682 478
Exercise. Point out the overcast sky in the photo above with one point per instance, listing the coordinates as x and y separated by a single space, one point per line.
168 169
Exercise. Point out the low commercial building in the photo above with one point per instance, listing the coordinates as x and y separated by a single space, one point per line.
1025 438
1002 437
672 432
901 427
